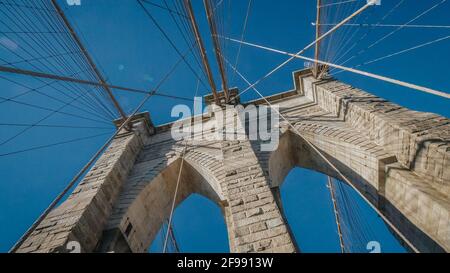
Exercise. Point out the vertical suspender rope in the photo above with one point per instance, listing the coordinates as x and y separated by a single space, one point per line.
316 51
169 229
336 215
172 237
174 198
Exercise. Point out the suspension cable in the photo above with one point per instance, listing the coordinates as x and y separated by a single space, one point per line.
172 208
244 28
405 24
176 187
366 34
94 158
360 72
172 44
40 147
217 49
19 71
395 53
316 50
336 214
88 58
205 61
406 50
336 3
165 8
48 46
53 126
369 3
395 30
387 25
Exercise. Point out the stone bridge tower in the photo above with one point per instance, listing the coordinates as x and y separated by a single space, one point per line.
399 158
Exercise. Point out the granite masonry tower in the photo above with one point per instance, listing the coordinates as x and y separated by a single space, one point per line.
399 159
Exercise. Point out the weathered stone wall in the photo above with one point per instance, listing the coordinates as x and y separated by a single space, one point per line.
256 220
397 157
83 215
419 140
146 198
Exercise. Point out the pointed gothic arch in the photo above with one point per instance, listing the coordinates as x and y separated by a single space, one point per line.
146 202
379 170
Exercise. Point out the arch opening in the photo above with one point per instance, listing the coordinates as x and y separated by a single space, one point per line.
308 207
146 205
198 226
300 174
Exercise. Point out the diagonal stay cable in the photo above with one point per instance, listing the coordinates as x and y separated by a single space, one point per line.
44 19
58 23
407 50
88 57
244 28
124 125
45 84
368 31
36 90
41 42
44 44
395 53
369 3
58 110
40 147
55 55
75 80
52 112
184 35
172 44
389 25
407 23
53 126
360 72
23 6
346 39
166 8
394 31
337 3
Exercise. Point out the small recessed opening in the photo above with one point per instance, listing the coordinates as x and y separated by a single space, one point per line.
128 229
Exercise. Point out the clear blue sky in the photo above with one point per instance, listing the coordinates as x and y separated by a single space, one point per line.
132 52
